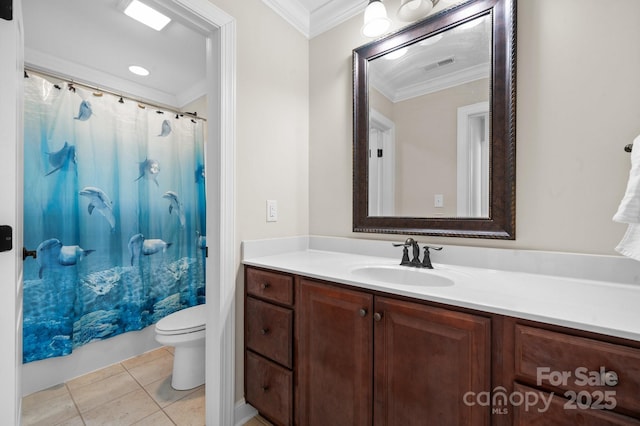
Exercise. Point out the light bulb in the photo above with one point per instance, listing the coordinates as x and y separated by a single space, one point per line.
376 21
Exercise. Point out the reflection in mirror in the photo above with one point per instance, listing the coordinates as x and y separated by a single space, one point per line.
434 125
429 125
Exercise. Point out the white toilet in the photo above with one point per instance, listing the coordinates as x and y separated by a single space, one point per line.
185 330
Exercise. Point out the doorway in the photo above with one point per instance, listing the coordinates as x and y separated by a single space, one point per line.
220 285
382 141
473 160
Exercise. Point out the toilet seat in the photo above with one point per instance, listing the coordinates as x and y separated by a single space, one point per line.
189 320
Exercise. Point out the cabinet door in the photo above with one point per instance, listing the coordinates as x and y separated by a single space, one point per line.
552 410
334 355
426 359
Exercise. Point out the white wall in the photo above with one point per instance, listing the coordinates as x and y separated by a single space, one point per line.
578 104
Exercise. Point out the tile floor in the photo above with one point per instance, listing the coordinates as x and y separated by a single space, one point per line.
136 391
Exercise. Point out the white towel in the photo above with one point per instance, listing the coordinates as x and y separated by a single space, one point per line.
629 209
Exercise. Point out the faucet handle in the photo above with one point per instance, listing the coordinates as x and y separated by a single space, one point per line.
405 252
408 243
426 260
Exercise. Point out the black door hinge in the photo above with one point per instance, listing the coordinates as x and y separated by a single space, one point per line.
6 9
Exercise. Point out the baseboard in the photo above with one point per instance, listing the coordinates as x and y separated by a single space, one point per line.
243 412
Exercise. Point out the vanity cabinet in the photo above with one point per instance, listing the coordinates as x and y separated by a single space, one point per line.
322 353
555 413
269 344
365 359
590 381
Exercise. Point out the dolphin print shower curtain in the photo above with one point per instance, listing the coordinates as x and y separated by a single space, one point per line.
114 203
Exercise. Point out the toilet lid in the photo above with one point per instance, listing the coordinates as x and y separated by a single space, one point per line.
187 320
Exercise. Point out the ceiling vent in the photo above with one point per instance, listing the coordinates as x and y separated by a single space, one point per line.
438 64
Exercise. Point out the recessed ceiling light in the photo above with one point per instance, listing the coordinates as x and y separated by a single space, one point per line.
147 15
138 70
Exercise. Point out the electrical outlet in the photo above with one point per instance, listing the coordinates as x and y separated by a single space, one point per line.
272 211
438 200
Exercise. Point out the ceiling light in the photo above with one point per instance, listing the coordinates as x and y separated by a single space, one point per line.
376 21
147 15
138 70
412 10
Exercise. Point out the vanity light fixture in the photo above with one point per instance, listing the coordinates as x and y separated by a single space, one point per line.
412 10
376 21
138 70
146 15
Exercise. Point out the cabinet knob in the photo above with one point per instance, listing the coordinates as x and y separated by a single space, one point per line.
264 286
362 312
264 331
377 316
265 388
609 378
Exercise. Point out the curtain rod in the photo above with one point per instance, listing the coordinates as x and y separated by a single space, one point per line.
141 103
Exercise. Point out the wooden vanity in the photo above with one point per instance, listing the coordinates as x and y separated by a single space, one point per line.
324 353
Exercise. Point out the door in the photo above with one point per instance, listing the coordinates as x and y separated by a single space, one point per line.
381 165
473 166
11 206
334 335
426 359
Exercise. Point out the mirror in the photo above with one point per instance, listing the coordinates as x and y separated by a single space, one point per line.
434 126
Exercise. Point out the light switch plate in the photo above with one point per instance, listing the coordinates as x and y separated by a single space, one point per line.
272 211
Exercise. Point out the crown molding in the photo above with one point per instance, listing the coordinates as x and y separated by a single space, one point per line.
313 23
41 61
433 85
293 12
334 13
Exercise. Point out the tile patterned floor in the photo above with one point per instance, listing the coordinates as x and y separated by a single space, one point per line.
136 391
257 421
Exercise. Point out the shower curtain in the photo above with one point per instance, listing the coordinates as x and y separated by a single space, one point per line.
114 201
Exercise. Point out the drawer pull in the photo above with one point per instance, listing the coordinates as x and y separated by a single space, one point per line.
377 316
265 286
609 378
264 331
362 312
265 388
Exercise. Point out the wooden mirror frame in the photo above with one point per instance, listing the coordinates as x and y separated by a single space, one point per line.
501 221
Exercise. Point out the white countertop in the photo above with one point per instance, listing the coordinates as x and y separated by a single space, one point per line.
598 306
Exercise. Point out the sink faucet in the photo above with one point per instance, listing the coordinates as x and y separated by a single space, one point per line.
415 262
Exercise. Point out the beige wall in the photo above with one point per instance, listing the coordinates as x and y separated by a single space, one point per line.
272 133
578 104
426 148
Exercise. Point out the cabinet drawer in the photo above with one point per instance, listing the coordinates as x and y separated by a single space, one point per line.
270 286
269 330
556 360
561 412
269 389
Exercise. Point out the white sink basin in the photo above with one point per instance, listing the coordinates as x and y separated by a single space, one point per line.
402 275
